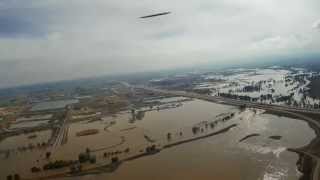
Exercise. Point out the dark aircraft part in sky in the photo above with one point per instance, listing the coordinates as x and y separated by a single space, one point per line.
153 15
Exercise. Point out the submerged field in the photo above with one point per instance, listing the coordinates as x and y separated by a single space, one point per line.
193 148
224 157
273 85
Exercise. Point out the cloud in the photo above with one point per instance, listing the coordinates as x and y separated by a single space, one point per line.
276 43
57 39
24 21
316 25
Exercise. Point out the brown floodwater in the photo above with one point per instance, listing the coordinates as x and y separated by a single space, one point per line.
217 157
221 156
18 160
24 140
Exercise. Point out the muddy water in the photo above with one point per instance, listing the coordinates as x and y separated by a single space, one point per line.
20 161
216 157
158 123
221 156
24 140
155 124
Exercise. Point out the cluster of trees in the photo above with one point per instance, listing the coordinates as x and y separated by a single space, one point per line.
243 107
252 88
289 100
151 149
114 160
48 154
226 118
300 78
13 177
35 169
197 129
140 115
57 164
263 97
247 98
24 148
266 97
110 154
169 136
234 96
32 146
316 106
285 98
87 157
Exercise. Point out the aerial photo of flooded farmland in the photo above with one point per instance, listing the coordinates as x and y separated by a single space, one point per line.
160 90
239 118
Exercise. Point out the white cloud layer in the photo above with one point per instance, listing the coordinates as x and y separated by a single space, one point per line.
52 40
316 25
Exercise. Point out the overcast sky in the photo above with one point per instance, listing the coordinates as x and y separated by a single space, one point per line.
48 40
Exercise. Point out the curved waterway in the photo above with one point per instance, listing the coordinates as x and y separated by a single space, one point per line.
221 156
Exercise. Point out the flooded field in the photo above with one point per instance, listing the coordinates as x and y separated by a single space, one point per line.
24 140
224 157
271 85
53 104
205 156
